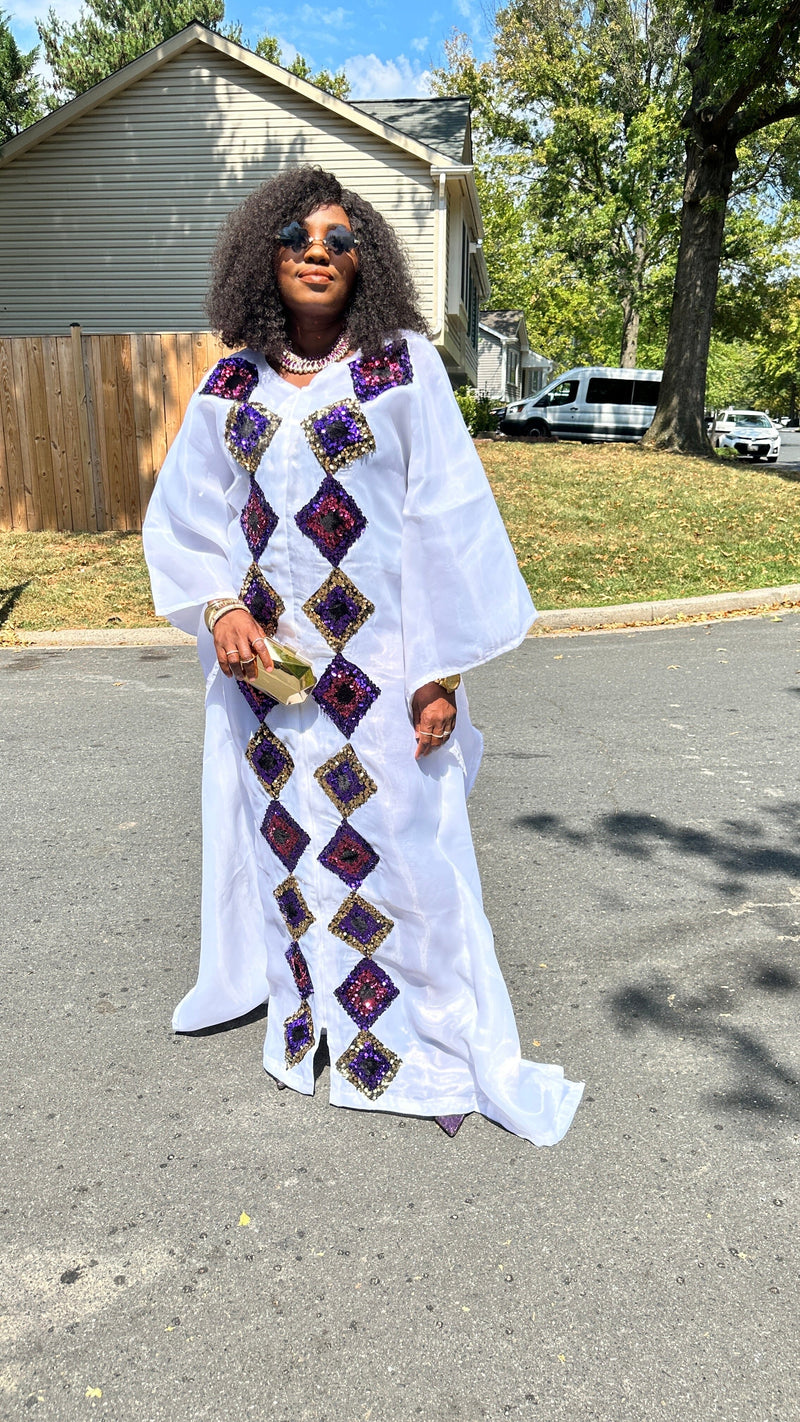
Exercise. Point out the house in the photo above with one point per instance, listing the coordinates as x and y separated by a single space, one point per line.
110 206
507 368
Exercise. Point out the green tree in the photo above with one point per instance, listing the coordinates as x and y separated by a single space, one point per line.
577 116
21 95
743 66
111 33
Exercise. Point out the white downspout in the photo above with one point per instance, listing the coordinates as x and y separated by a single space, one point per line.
441 259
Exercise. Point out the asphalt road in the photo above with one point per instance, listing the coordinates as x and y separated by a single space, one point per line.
636 823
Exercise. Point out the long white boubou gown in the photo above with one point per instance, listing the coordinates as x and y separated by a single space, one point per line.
354 518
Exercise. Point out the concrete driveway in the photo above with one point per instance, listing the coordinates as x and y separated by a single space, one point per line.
183 1241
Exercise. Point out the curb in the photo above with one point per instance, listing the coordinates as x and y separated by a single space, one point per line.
670 610
570 619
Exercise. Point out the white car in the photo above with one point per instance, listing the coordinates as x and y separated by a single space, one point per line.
750 432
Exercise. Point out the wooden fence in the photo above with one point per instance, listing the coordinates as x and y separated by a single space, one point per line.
85 423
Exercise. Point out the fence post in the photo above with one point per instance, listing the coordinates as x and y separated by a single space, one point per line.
88 431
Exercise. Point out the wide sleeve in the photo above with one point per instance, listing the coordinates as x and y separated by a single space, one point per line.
463 598
185 530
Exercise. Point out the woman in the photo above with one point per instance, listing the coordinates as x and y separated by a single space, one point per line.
324 490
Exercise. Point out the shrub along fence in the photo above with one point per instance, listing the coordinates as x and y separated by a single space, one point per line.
85 423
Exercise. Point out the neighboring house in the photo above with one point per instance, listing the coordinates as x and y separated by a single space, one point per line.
110 206
507 368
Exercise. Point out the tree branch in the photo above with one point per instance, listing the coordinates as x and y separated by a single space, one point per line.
790 15
765 117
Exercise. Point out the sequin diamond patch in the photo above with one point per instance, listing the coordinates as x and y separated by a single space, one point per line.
332 520
382 372
348 855
259 520
345 693
366 992
296 959
260 702
296 914
270 760
345 781
232 378
249 429
359 924
284 835
338 609
261 600
368 1065
298 1031
338 435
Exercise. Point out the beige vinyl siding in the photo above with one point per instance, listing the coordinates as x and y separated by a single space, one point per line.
110 222
491 375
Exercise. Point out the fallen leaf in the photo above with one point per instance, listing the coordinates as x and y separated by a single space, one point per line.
542 965
535 1043
94 1392
244 1219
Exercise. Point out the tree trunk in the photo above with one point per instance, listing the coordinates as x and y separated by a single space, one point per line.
630 333
631 303
679 423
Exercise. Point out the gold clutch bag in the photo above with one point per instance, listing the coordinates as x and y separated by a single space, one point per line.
291 677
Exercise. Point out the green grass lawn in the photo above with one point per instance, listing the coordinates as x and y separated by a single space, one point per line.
591 524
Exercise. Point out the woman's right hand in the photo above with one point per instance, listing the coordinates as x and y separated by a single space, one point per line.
238 642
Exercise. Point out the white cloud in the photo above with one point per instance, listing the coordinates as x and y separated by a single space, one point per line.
374 78
420 45
338 19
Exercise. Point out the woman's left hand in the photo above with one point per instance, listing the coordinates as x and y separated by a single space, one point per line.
434 713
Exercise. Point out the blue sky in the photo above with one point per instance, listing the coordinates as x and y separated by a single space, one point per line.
386 48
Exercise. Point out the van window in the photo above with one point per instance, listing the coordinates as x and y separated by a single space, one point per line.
609 390
564 394
645 392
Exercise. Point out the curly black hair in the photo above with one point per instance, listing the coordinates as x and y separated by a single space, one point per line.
243 302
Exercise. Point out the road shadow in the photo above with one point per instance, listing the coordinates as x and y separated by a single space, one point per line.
761 1085
741 853
738 849
8 597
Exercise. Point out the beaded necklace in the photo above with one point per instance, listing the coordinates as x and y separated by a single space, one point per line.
305 365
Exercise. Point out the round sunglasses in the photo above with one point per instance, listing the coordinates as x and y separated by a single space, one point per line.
337 241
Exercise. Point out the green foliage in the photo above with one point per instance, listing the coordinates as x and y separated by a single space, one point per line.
476 409
111 33
21 95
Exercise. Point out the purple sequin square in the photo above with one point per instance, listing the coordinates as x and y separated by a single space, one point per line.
368 1065
345 693
298 1031
332 520
348 855
386 371
338 609
366 992
361 925
345 781
270 760
259 521
260 702
295 957
248 433
338 435
296 914
261 600
284 835
233 378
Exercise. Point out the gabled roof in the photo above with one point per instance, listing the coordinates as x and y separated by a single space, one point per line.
505 324
443 124
197 34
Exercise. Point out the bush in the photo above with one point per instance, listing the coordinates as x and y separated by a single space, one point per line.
477 410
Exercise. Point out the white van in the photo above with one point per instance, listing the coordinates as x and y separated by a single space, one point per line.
592 402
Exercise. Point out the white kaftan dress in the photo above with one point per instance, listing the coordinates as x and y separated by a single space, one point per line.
354 518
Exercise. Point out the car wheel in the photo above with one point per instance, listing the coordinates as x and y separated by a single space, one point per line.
538 429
